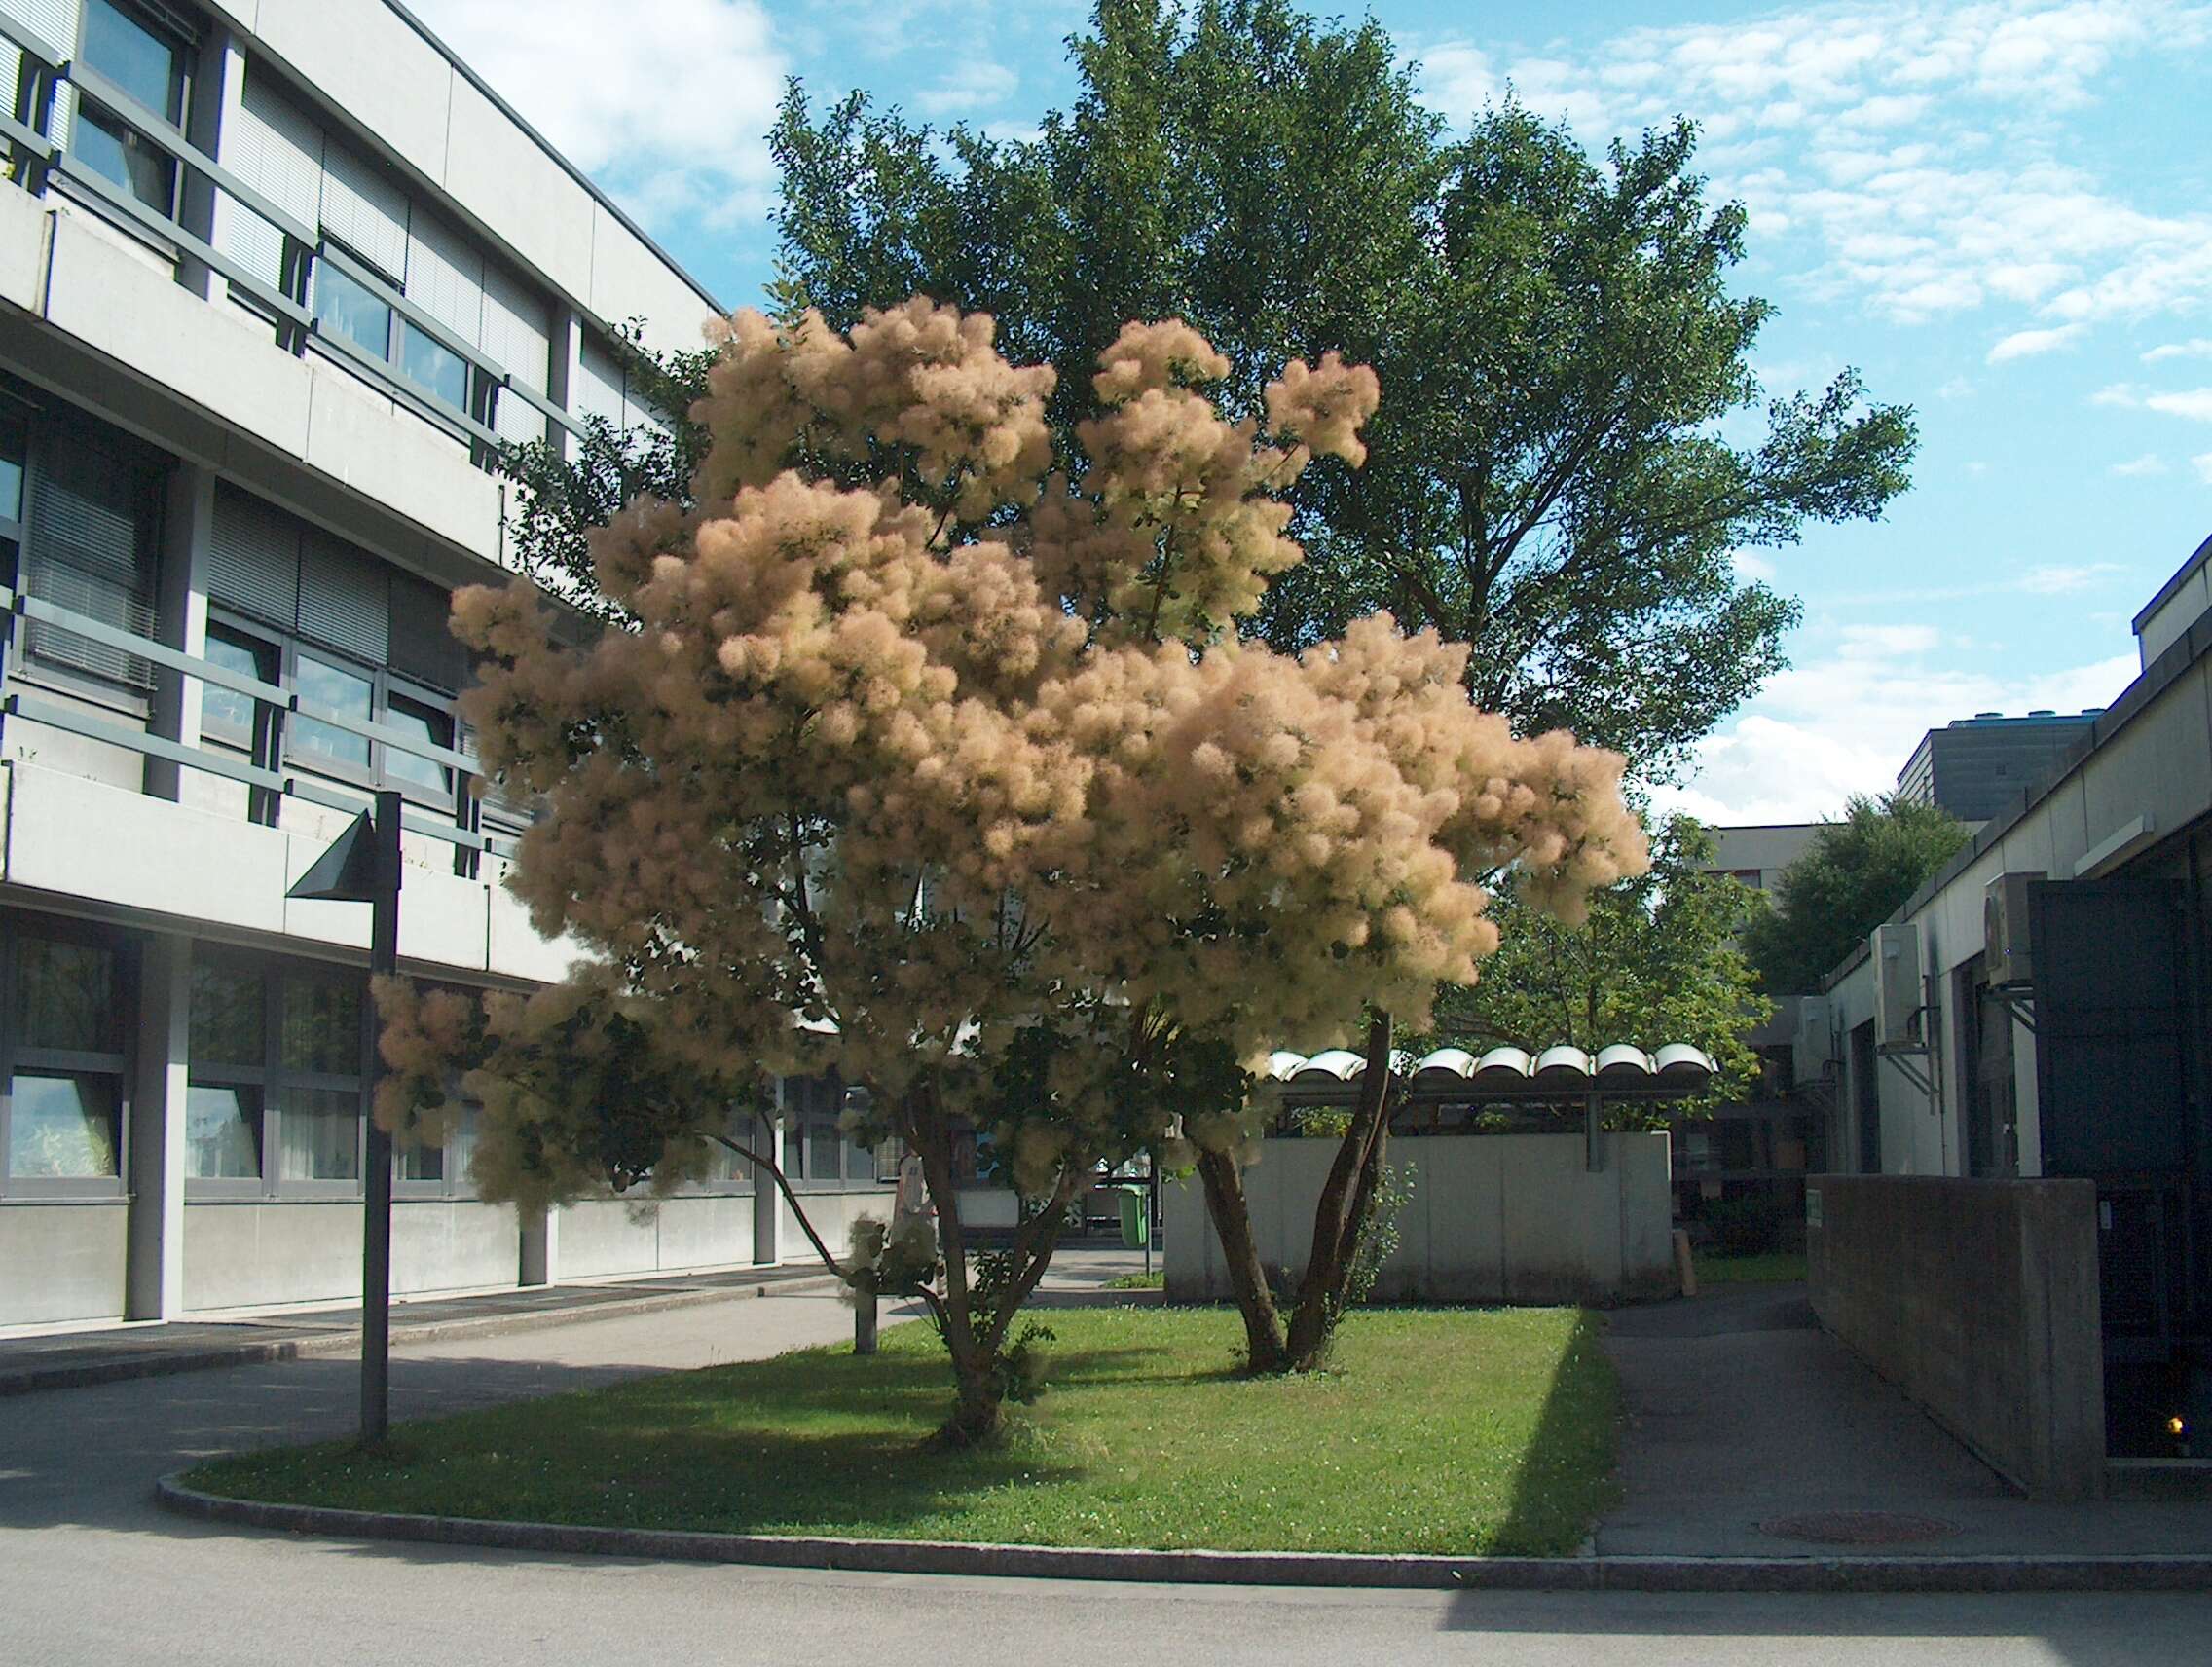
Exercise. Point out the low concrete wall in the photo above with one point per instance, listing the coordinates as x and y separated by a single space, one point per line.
1979 1300
651 1235
248 1253
1516 1218
60 1262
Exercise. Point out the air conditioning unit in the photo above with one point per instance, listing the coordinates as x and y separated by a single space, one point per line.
2008 949
1897 984
1812 1047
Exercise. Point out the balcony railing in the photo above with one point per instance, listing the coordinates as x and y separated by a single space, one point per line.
35 157
290 783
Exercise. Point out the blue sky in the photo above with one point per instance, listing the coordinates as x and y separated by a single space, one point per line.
2001 213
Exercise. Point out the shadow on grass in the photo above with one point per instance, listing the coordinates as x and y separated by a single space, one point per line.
1566 1480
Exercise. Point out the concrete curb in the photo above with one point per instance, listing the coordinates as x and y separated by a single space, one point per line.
1597 1573
347 1341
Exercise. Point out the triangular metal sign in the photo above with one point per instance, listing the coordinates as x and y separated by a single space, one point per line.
346 872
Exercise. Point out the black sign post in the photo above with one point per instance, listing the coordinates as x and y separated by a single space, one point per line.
362 865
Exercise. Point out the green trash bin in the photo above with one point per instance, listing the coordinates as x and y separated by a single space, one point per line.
1136 1221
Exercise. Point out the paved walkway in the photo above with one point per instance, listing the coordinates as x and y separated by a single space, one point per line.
71 1358
1741 1410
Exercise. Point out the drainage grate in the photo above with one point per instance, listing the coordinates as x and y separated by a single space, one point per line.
1856 1528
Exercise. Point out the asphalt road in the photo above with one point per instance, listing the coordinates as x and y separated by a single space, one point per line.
90 1572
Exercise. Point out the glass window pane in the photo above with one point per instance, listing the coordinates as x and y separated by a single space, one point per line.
431 367
224 711
821 1144
125 157
323 1134
222 1132
225 1016
65 996
424 724
10 470
63 1128
334 689
421 1163
322 1026
121 47
343 307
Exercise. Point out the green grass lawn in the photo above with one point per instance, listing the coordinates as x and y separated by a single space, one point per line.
1775 1268
1463 1433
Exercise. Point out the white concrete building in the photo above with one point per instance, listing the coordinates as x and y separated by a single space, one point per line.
2043 1007
274 278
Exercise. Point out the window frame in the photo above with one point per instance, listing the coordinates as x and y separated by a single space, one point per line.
184 68
17 1057
273 1077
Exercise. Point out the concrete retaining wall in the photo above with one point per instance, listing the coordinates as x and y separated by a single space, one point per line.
1979 1300
1515 1218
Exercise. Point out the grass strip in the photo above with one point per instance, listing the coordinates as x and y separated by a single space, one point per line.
1462 1432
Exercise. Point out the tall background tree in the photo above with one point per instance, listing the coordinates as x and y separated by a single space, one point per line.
1657 960
1548 480
1852 877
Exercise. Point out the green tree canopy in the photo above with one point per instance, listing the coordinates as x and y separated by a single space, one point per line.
1853 877
1551 479
1656 961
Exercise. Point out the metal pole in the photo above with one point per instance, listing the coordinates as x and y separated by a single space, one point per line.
376 1192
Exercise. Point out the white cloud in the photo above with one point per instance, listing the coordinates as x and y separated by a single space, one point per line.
2150 463
2027 344
1846 723
1958 387
2202 463
2129 394
1979 207
2198 348
976 84
668 109
2062 580
1752 567
2195 403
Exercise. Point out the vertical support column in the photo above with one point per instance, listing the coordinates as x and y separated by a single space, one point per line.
563 369
767 1201
1594 1132
188 516
215 90
542 1249
153 1264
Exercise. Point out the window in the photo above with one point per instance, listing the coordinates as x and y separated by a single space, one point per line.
93 524
147 63
345 307
277 1079
337 690
62 1006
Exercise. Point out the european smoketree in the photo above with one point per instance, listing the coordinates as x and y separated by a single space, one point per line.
922 746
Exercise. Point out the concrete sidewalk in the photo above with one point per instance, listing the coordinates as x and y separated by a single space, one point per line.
1743 1414
70 1358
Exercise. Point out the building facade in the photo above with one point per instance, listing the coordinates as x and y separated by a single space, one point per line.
2043 1007
1987 765
276 278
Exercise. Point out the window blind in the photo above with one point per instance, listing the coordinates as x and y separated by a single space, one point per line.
254 558
364 209
92 521
344 598
421 648
445 276
276 148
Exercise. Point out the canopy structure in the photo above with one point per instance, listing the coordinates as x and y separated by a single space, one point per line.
1561 1075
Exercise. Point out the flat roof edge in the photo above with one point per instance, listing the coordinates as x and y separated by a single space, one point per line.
2182 575
567 166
